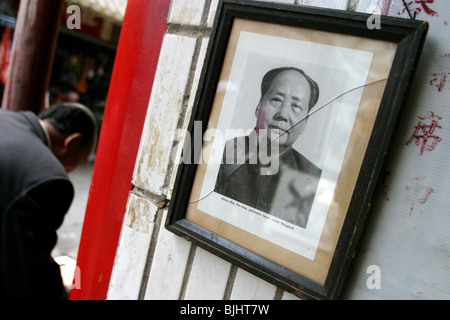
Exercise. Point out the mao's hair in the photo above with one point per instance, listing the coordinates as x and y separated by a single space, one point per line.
271 75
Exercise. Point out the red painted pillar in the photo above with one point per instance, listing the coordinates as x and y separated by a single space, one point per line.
137 55
34 45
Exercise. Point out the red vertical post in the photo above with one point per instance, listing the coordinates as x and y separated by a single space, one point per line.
137 56
34 45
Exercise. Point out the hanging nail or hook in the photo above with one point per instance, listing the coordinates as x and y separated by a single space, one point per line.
412 16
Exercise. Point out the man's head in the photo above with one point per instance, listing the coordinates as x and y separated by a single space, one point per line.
73 132
287 96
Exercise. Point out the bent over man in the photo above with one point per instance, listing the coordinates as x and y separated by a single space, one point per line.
36 153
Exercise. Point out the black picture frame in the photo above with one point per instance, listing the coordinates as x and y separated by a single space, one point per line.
407 36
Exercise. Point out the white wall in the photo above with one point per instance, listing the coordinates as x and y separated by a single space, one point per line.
407 237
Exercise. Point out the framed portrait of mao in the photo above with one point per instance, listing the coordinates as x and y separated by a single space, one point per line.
291 125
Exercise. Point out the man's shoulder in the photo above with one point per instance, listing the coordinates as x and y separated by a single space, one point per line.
24 115
19 126
305 164
26 161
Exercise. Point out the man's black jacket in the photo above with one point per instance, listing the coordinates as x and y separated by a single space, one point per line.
35 194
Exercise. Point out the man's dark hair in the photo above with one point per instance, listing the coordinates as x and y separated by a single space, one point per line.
70 118
270 76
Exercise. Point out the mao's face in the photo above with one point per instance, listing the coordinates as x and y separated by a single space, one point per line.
284 107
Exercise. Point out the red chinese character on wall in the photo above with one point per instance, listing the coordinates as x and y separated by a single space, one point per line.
424 133
439 79
418 5
418 193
